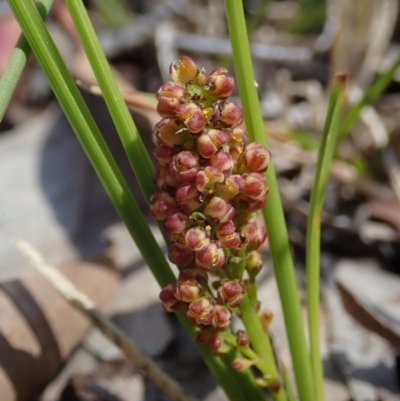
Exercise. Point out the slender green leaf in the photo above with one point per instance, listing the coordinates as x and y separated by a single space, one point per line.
273 211
17 62
130 138
325 156
370 95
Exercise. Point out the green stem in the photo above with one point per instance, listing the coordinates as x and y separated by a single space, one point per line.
273 211
17 62
126 128
370 95
326 151
262 346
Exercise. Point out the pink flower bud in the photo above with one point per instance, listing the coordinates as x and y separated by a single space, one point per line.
221 85
227 236
254 263
255 188
177 223
188 198
210 141
201 311
231 115
223 162
169 132
179 254
242 339
241 364
254 235
188 290
164 181
218 211
169 96
183 72
249 205
192 116
193 273
162 205
185 166
207 178
221 317
238 139
210 257
201 77
164 154
230 292
255 158
197 238
231 187
167 297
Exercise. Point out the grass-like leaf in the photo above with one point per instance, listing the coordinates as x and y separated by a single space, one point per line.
273 211
17 62
325 156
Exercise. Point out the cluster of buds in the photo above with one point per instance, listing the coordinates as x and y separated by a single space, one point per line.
211 183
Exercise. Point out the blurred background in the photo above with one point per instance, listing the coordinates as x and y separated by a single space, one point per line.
52 198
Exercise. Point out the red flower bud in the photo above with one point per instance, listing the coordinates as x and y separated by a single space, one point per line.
201 77
207 178
201 311
255 188
231 115
221 85
210 141
197 238
167 297
242 339
185 166
218 211
230 292
221 317
192 116
254 235
183 72
227 236
179 254
169 96
162 205
210 257
169 132
188 290
164 154
231 187
188 198
177 223
164 181
241 364
237 142
193 273
255 158
223 162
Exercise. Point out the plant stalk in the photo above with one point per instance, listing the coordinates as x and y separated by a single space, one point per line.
273 211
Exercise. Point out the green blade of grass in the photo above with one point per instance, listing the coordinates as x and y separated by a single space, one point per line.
325 156
273 211
370 95
127 131
17 62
